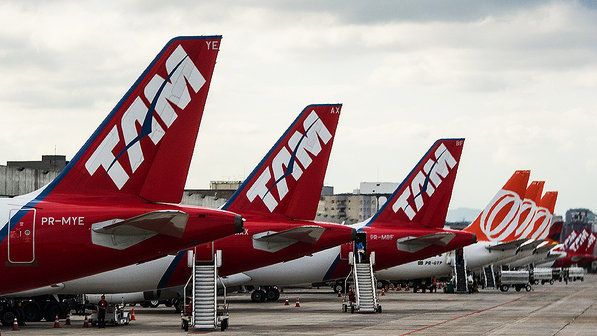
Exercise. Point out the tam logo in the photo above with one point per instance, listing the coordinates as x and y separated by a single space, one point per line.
570 239
582 237
300 147
163 94
426 181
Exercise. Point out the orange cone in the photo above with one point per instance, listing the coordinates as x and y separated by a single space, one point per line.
133 318
339 294
57 322
86 322
67 322
286 303
383 292
298 303
15 325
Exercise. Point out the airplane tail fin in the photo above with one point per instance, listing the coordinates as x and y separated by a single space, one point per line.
424 195
500 217
555 232
543 218
289 179
144 146
532 196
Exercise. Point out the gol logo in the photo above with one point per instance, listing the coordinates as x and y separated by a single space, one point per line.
500 217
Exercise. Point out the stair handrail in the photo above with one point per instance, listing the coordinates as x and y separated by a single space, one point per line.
346 283
356 284
373 284
215 282
184 295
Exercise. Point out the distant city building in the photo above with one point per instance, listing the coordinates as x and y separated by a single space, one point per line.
353 207
376 188
22 177
48 163
327 191
578 220
218 193
224 185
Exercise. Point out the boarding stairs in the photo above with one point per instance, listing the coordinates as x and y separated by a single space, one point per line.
206 313
365 285
489 276
460 275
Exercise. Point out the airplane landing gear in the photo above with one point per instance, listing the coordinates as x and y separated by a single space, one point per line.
272 293
258 295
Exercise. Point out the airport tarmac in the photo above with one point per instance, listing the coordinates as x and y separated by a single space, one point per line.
547 310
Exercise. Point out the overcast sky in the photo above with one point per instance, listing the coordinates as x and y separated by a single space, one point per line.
518 79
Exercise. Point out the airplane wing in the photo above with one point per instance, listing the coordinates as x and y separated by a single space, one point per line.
272 241
123 233
507 246
414 244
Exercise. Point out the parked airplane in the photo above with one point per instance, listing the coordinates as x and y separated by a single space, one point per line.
546 251
110 206
407 227
538 246
579 250
278 201
494 228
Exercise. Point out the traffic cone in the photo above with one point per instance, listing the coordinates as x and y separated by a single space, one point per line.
56 322
67 322
133 318
298 303
383 292
339 294
15 325
286 303
86 322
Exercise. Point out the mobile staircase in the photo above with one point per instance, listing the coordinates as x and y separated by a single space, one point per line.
460 276
489 276
202 310
365 286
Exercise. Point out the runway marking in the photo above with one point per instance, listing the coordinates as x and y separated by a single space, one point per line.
462 316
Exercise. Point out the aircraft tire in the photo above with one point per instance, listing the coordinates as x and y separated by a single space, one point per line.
258 295
7 318
32 312
272 294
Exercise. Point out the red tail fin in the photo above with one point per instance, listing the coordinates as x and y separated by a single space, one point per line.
555 232
532 196
289 179
499 219
544 215
144 146
423 197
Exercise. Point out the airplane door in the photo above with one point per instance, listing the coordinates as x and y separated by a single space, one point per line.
204 253
21 239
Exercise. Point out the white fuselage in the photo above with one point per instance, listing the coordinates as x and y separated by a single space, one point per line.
477 256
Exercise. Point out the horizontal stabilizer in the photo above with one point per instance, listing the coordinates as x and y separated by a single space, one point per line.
507 246
543 248
414 244
121 234
531 245
274 241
